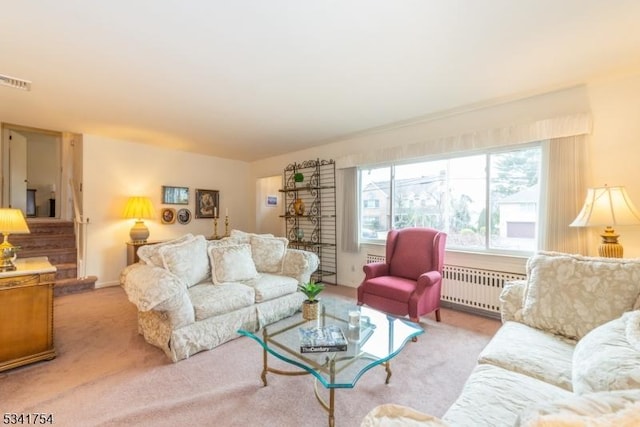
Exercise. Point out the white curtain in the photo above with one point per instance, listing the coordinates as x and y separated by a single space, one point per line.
565 191
350 215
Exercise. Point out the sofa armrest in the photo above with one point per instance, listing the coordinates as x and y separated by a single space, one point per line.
511 300
389 414
148 286
300 264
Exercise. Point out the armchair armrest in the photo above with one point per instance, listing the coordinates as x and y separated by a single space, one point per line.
375 269
511 300
300 264
427 279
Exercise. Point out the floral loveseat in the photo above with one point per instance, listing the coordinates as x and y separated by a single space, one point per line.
568 353
193 294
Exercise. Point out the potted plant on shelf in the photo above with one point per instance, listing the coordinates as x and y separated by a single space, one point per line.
298 177
311 290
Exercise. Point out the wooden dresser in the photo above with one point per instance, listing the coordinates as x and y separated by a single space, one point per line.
26 313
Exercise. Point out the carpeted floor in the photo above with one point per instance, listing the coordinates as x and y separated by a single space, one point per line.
105 374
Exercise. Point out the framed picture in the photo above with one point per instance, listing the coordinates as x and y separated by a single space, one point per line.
207 203
168 216
272 201
184 216
175 195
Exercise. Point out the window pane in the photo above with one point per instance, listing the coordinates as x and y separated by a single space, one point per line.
375 195
515 196
467 202
420 195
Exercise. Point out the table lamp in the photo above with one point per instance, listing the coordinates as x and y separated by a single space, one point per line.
607 206
11 222
139 208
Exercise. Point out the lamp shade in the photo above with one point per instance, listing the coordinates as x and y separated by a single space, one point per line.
139 208
12 222
607 206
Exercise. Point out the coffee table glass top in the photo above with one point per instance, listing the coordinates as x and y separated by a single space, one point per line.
378 339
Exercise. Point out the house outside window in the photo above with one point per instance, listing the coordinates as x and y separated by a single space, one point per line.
484 202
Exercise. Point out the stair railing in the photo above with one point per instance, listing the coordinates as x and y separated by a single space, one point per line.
80 225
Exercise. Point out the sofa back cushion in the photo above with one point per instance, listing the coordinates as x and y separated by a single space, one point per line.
188 260
571 294
268 253
231 263
608 357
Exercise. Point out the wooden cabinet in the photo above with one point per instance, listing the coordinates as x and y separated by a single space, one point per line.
26 313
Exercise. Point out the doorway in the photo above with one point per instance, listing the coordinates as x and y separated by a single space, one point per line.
31 170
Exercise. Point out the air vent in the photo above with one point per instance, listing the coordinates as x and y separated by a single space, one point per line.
15 82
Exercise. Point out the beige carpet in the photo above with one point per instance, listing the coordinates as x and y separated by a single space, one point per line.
105 374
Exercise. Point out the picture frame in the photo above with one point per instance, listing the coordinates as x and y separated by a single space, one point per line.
184 216
271 201
207 203
175 195
168 216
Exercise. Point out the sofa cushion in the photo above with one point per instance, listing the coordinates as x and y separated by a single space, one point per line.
149 254
612 409
187 259
571 294
493 396
270 286
511 348
608 357
268 253
244 237
213 300
231 263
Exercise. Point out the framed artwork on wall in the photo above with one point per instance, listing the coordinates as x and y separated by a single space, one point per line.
272 201
175 195
184 216
207 203
168 215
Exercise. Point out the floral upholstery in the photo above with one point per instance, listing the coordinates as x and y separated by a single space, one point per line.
571 294
183 318
268 253
511 299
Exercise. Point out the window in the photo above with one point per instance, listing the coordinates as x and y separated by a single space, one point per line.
487 201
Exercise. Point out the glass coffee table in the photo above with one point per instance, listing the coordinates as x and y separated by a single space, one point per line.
376 339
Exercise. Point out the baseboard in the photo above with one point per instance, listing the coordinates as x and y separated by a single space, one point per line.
472 310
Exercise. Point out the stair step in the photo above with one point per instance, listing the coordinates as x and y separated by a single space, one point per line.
72 286
49 226
44 241
66 271
56 256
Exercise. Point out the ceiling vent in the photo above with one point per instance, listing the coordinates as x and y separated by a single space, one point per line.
15 82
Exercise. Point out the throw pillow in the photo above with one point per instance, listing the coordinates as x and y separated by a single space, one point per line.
268 253
149 254
187 260
243 237
608 357
231 263
571 294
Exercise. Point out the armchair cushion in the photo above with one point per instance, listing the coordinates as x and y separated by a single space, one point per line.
608 357
187 259
268 253
572 294
231 263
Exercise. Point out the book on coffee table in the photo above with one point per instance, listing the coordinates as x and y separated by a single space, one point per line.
320 340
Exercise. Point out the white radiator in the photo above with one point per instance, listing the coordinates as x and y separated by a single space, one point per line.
472 288
475 288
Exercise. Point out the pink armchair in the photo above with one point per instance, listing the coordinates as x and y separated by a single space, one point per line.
410 281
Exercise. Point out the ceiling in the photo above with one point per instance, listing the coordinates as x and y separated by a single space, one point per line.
250 79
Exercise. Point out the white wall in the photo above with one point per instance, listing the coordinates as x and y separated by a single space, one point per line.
268 217
614 147
115 170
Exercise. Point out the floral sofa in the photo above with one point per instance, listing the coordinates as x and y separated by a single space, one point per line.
193 294
567 354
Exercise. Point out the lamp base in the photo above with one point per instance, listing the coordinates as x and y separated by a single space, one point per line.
139 233
609 247
8 254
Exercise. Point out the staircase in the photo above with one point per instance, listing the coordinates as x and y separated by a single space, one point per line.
56 240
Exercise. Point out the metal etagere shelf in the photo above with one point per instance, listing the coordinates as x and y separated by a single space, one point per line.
310 213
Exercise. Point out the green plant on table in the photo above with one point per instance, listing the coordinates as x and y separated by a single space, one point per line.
311 290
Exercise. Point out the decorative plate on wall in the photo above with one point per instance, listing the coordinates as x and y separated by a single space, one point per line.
184 216
168 216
